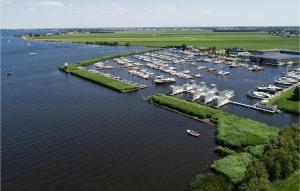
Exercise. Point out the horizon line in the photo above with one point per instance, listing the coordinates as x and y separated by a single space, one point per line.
124 27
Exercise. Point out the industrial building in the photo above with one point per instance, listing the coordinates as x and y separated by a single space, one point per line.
275 56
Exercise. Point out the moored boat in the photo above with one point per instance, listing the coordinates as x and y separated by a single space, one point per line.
259 95
164 81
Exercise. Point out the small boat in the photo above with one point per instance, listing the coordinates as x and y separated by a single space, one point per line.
233 65
201 67
8 73
164 81
211 69
192 132
197 75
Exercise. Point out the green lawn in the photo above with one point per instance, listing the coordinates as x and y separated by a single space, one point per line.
198 38
232 131
284 102
289 184
233 166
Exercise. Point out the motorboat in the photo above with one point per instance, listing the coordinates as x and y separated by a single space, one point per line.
192 132
197 75
269 88
283 82
211 69
164 81
201 67
258 95
288 80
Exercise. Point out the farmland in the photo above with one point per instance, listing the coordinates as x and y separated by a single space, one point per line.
197 38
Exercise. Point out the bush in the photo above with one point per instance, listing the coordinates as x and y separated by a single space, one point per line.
281 156
256 178
224 151
233 166
257 150
211 182
292 183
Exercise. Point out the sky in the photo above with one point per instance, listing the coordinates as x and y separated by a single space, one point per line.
147 13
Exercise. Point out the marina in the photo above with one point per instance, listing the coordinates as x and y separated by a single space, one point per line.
95 124
175 66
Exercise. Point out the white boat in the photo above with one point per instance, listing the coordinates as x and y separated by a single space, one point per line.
164 80
283 83
288 80
201 67
259 95
269 88
192 132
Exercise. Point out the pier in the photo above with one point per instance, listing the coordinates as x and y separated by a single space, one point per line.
251 106
281 92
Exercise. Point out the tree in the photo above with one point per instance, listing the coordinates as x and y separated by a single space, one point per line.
212 49
281 157
211 182
295 96
256 178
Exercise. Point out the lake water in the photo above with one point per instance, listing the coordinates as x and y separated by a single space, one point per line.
60 132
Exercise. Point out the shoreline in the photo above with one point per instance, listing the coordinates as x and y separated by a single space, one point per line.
206 121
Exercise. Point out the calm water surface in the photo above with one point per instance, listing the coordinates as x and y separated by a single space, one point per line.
63 133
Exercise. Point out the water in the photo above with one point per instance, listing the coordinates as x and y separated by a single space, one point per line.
60 132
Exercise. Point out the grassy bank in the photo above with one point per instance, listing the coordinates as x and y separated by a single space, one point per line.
197 38
232 131
98 78
104 81
286 101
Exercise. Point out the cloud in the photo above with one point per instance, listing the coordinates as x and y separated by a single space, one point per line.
6 2
53 4
30 10
201 11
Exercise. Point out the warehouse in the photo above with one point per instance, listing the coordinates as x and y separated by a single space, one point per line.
275 56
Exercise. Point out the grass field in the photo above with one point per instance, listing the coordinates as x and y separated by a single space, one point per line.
289 184
284 102
232 131
197 38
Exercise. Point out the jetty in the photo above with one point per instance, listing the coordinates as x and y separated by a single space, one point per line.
255 106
